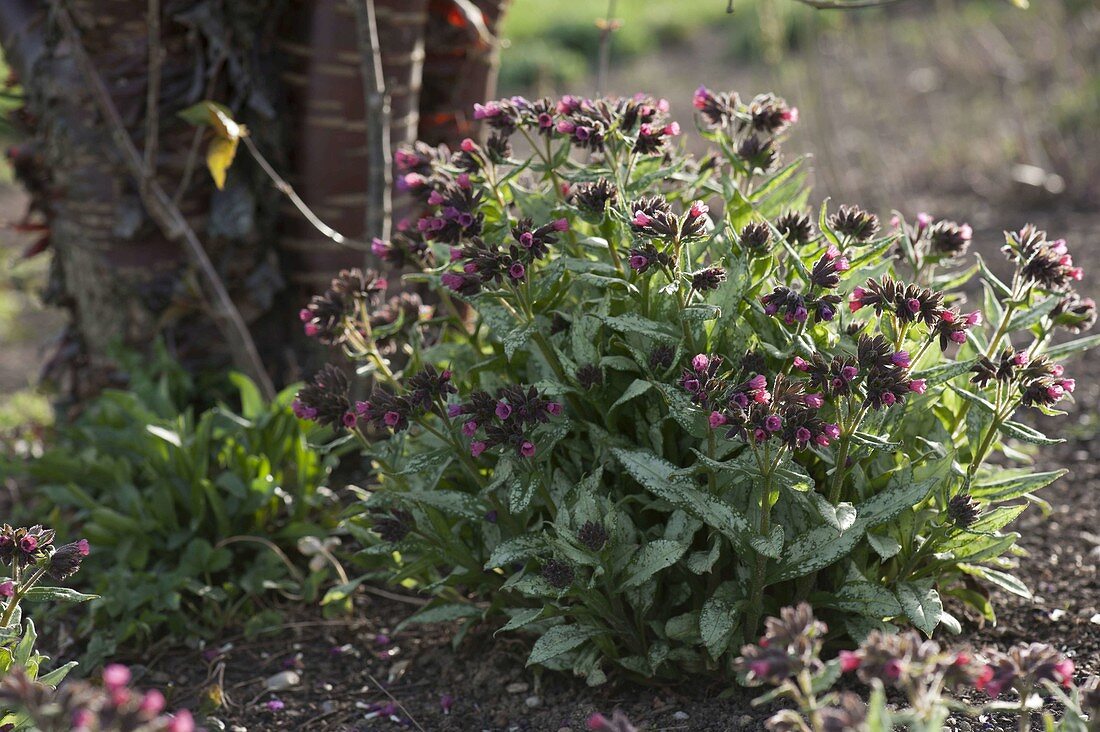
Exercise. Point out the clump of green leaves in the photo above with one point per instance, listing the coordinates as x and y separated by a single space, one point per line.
657 400
196 517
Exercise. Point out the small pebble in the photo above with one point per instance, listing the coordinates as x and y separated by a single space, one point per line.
1095 619
328 706
517 687
681 716
238 728
283 680
532 702
1057 614
745 721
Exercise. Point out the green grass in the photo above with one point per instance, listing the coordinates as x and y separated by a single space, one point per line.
552 43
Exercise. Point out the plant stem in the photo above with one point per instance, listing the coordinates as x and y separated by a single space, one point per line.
756 588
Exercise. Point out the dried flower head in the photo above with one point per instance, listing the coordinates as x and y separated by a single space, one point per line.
558 574
756 237
963 510
594 197
796 227
325 399
66 559
593 535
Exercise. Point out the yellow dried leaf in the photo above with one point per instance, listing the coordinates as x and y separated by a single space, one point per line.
224 125
219 156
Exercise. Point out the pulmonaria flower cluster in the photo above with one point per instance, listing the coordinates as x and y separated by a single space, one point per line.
1043 383
587 122
325 399
484 263
877 369
80 706
753 128
505 420
791 644
594 198
653 218
425 391
752 411
937 241
22 547
853 224
407 248
330 314
1045 263
910 663
1022 668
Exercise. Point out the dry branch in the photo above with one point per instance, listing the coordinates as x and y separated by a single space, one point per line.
168 216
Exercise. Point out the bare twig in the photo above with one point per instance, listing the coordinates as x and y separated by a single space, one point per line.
288 190
604 64
394 699
477 21
168 216
377 102
152 91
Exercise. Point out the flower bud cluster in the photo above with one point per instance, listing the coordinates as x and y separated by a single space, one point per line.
753 127
910 663
791 644
327 316
506 420
485 263
1023 667
1042 262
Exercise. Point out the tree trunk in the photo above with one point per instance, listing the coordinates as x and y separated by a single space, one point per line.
290 70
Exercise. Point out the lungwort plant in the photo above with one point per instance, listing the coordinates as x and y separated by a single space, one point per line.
655 400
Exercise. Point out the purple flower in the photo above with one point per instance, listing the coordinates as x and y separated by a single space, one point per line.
814 401
901 359
469 428
849 372
275 705
527 449
447 701
773 423
503 411
638 262
553 408
477 447
717 419
517 271
700 362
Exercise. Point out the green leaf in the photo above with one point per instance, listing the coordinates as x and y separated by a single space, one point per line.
875 442
455 502
1001 289
341 592
520 492
944 371
865 598
57 594
656 475
1004 580
521 618
885 546
651 559
1068 349
442 614
517 339
1034 314
637 325
521 547
701 312
1022 432
1007 487
921 603
636 389
717 620
975 399
558 640
55 677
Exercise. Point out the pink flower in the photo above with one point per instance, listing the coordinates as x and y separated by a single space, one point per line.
468 145
503 410
115 676
453 280
831 431
801 364
527 449
28 543
349 420
152 703
790 115
391 418
182 722
893 668
7 588
477 447
1020 359
1064 668
842 265
560 224
435 198
446 702
453 410
566 127
641 219
469 428
849 372
802 435
1055 391
889 399
814 401
275 705
698 208
965 232
958 336
913 305
699 99
553 408
774 423
760 435
380 248
517 271
672 129
700 362
974 318
484 111
849 661
463 180
758 382
1068 384
918 385
717 419
304 315
832 252
638 262
901 359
